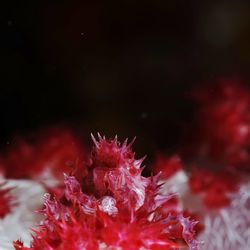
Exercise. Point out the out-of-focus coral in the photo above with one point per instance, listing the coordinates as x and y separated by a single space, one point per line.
112 207
222 225
168 166
222 149
228 228
215 172
214 187
43 156
27 198
223 124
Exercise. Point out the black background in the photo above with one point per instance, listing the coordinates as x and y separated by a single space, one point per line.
117 67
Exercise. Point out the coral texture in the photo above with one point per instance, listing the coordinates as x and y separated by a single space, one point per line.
112 206
27 198
212 179
6 200
43 156
228 228
223 123
104 201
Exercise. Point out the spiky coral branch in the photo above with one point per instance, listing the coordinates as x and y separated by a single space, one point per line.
112 207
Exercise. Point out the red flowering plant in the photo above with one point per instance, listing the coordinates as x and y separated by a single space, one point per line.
112 206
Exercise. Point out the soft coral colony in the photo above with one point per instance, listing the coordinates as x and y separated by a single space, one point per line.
217 159
42 155
110 205
104 201
222 156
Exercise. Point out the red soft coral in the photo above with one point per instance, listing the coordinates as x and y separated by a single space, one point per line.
223 131
45 155
63 228
119 209
214 186
167 165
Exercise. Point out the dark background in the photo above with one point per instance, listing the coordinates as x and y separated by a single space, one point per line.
118 67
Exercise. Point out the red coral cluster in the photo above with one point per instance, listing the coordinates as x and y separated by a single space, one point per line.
168 166
112 206
223 131
216 156
213 186
220 145
106 203
50 152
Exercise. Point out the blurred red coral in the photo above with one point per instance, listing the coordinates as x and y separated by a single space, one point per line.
214 186
168 166
223 131
47 154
